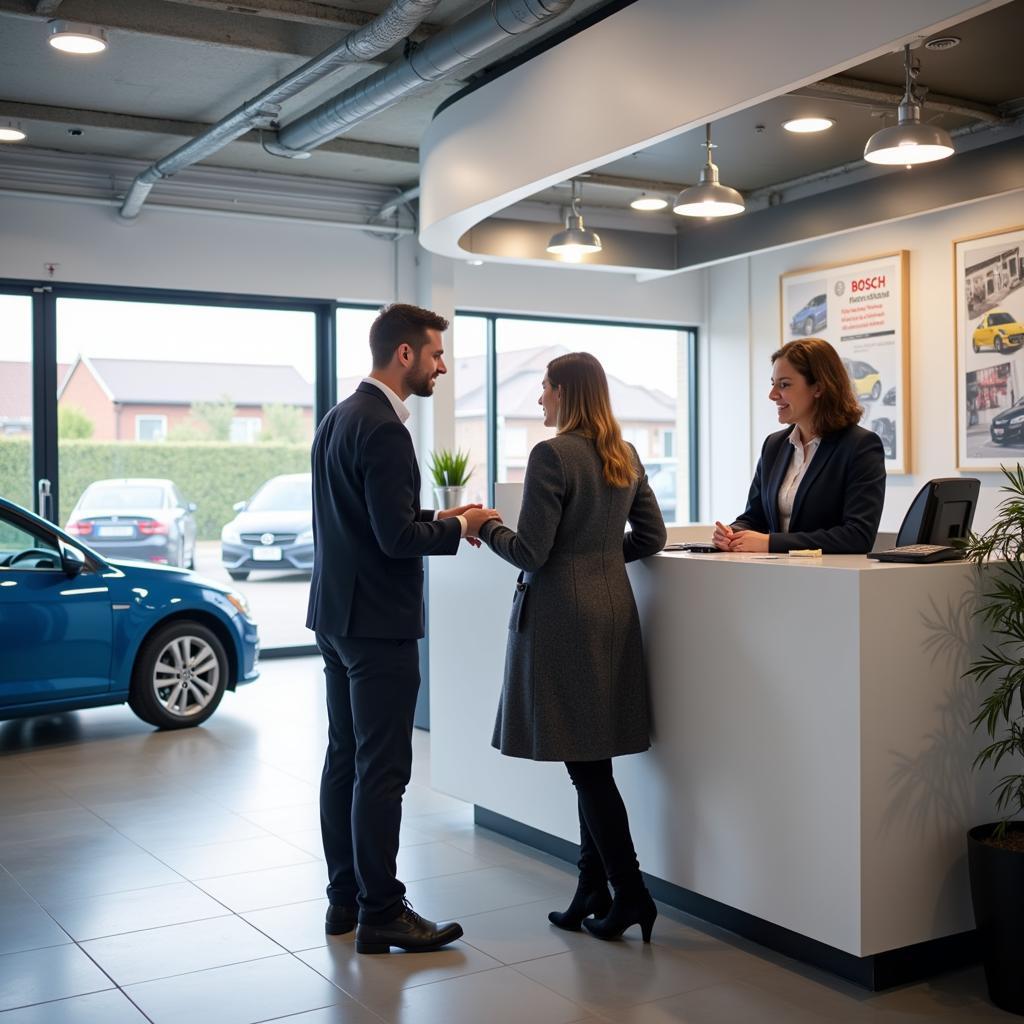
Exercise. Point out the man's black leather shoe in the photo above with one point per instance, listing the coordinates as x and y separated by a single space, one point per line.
340 919
408 931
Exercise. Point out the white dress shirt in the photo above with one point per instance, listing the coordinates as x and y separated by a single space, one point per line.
402 412
794 474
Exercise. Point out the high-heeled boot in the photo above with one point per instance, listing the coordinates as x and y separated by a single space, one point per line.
591 898
632 905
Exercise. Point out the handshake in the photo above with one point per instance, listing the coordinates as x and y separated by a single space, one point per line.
475 515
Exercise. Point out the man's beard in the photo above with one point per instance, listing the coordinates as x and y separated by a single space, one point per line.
419 382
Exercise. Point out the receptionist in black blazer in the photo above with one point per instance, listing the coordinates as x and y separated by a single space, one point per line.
820 482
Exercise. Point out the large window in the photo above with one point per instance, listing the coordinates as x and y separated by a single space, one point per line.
353 358
16 399
649 370
175 424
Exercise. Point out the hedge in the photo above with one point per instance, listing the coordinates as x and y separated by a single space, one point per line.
212 474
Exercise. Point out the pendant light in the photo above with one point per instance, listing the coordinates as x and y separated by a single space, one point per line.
574 241
708 198
909 141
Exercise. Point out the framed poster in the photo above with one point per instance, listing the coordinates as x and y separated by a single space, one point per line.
861 309
988 285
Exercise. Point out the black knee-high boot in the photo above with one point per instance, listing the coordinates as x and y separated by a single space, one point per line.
605 815
592 896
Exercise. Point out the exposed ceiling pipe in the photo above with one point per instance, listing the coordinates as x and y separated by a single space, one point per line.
439 57
392 26
402 199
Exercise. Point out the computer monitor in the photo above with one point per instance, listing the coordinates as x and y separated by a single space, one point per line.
941 513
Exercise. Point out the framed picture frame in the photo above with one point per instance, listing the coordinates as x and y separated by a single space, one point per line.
988 294
862 310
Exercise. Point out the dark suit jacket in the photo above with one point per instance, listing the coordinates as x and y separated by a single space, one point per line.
838 504
369 533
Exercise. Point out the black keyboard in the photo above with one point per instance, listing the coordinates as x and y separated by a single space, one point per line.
919 553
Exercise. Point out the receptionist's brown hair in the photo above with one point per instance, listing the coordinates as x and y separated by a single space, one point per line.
819 363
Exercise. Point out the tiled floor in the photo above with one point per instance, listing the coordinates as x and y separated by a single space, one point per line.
178 878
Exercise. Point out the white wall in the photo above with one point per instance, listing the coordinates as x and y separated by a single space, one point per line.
929 240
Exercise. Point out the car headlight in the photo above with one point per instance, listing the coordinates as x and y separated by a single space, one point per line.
239 601
230 534
306 537
1016 421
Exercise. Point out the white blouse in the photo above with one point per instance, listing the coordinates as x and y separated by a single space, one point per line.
794 474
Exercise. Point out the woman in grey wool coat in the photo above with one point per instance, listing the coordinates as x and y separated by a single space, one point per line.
574 687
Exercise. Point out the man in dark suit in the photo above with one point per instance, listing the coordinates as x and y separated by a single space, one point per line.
366 607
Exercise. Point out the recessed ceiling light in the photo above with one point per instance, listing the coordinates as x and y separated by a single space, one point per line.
11 132
475 263
807 125
73 37
647 202
942 43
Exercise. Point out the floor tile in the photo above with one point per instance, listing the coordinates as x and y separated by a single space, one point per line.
46 974
515 934
496 997
431 860
241 994
474 892
376 980
214 860
97 916
610 975
179 949
347 1012
190 830
279 820
294 926
25 925
31 826
273 887
110 1007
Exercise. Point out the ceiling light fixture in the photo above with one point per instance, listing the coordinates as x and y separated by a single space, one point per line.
574 241
909 141
708 198
10 131
74 37
808 125
649 202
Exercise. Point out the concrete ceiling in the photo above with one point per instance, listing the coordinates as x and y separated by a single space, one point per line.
174 66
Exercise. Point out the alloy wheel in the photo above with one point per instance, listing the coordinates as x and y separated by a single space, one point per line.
186 676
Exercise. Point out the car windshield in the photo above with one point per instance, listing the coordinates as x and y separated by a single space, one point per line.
999 318
283 495
122 496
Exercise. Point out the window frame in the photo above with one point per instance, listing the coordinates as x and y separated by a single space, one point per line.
690 341
140 416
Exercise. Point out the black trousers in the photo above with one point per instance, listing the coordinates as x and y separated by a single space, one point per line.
606 846
371 700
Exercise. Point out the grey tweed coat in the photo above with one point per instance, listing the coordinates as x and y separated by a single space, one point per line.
574 687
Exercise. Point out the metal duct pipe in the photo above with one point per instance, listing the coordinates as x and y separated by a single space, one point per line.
437 58
392 26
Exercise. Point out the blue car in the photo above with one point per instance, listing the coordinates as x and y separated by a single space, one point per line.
80 631
812 318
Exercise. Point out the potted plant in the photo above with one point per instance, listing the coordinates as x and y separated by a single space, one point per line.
996 850
450 472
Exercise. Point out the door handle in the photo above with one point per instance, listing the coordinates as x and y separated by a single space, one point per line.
44 503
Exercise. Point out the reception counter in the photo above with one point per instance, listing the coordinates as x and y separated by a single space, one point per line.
810 781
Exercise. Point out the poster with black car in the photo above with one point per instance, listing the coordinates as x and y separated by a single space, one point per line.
988 282
861 310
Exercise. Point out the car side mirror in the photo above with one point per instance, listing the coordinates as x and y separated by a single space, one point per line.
71 561
192 507
239 506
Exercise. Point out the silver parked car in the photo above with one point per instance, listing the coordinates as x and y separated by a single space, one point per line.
145 519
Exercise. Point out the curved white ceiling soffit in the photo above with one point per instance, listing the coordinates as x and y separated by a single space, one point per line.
650 71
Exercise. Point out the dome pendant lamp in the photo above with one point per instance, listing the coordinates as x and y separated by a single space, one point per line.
708 198
909 141
574 241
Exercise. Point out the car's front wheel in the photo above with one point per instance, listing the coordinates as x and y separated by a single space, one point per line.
974 345
238 574
876 390
180 675
809 325
1000 346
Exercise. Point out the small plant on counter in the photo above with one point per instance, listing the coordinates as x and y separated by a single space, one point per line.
450 469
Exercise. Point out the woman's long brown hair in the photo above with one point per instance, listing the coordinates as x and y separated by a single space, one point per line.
586 408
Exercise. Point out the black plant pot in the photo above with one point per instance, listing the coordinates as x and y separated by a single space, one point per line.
997 891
